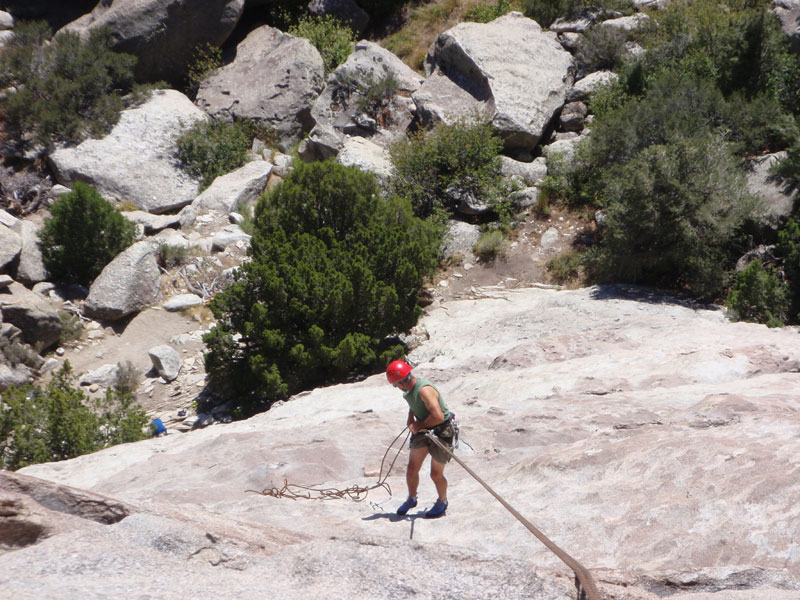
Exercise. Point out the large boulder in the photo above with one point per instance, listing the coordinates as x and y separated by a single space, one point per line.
472 70
242 186
275 78
126 285
162 34
28 311
136 162
30 268
10 246
343 109
166 361
779 196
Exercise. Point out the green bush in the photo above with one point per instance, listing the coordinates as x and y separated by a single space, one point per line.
485 12
788 169
332 38
84 233
759 296
212 148
170 255
490 246
334 268
601 48
565 267
63 89
433 167
60 422
672 215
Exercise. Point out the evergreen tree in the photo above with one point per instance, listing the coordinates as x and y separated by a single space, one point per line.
83 235
334 269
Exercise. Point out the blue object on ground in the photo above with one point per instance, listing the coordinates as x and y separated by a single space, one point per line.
158 427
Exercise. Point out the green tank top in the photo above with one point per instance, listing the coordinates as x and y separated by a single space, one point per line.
416 404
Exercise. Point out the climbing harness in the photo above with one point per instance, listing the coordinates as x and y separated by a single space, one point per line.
584 582
355 492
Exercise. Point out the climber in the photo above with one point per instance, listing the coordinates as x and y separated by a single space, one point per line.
427 412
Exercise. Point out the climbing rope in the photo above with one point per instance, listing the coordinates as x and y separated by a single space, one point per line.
355 492
584 582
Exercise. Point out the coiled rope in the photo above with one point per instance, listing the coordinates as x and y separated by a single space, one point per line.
354 492
584 582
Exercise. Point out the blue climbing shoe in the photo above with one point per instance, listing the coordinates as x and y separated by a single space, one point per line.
407 505
437 510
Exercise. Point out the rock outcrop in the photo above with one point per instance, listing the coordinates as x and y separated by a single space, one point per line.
275 79
162 34
367 96
652 439
472 72
31 314
136 163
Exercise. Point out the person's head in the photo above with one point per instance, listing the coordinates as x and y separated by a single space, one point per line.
398 373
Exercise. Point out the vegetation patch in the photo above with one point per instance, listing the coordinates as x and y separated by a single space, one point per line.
62 89
60 422
83 235
334 269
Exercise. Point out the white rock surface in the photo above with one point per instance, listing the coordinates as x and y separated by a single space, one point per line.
242 186
653 440
136 162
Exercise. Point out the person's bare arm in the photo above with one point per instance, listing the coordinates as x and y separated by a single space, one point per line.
435 416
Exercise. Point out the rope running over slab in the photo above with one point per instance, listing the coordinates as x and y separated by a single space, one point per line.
587 588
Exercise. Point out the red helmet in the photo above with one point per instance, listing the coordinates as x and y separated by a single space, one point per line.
397 370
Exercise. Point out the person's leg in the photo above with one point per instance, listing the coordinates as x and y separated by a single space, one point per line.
437 474
415 460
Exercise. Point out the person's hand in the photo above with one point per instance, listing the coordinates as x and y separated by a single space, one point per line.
414 427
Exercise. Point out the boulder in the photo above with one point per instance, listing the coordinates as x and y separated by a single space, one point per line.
151 223
367 156
529 173
471 71
182 301
275 79
30 268
572 116
105 376
344 109
242 186
346 11
460 238
788 12
166 361
10 246
5 281
779 196
6 21
230 235
18 374
628 23
126 285
162 34
586 18
586 86
136 162
27 310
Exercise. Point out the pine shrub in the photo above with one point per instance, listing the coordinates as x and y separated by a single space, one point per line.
463 157
212 148
65 88
84 234
759 295
334 269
